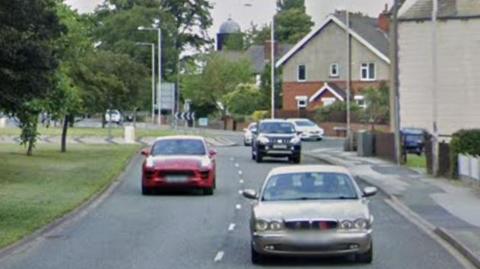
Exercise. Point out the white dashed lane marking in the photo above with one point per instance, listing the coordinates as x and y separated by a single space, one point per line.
238 206
219 256
231 227
241 181
240 172
237 165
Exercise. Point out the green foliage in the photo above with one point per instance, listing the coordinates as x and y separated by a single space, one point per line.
244 100
210 85
260 115
234 42
336 112
463 142
292 21
257 35
29 30
378 105
109 80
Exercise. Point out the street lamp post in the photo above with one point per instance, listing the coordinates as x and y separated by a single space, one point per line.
159 87
347 69
152 45
435 149
272 65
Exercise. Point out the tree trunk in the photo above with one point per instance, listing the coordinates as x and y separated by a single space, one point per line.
64 133
30 147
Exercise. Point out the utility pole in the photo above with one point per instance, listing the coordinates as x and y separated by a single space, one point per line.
394 92
152 45
435 150
159 96
272 64
347 69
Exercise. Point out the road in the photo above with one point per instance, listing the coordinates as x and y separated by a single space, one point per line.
188 230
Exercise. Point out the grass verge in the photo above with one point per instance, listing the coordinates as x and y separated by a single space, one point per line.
415 161
81 132
36 190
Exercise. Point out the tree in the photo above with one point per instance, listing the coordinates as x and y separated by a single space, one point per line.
208 88
292 21
257 35
244 100
184 25
28 60
108 80
378 105
64 102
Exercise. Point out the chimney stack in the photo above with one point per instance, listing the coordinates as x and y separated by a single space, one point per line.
268 50
384 20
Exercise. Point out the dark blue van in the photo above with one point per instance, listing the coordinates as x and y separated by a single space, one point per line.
413 140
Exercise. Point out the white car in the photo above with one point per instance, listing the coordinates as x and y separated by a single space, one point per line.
307 129
248 135
113 116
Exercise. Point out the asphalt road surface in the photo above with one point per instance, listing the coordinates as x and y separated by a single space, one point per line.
188 230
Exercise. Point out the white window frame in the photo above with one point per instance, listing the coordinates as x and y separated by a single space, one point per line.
337 67
302 99
366 67
298 73
358 99
327 101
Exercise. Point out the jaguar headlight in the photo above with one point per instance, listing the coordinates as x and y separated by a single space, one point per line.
261 225
346 225
275 225
361 224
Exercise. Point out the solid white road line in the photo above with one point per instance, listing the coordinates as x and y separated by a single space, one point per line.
219 256
231 227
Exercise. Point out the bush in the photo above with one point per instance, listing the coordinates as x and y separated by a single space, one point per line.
260 115
336 112
463 142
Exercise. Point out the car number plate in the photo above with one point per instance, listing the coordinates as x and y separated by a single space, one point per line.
176 179
280 146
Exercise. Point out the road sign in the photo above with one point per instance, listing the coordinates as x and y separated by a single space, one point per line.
203 122
167 97
189 116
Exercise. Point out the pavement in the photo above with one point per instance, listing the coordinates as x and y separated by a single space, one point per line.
188 230
450 208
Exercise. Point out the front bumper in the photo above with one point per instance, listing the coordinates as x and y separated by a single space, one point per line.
196 179
311 136
329 243
274 151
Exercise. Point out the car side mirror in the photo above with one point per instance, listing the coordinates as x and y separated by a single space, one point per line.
369 191
250 194
145 152
212 153
299 133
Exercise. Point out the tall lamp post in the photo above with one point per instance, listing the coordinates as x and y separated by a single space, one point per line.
152 45
159 87
272 65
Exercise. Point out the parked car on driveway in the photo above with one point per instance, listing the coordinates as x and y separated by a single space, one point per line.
248 133
413 140
276 138
311 210
179 162
307 129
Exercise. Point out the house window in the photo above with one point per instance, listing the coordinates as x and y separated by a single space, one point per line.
367 71
360 100
334 70
302 101
302 72
328 101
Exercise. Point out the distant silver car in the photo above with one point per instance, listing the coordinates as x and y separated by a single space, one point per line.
248 134
307 129
311 211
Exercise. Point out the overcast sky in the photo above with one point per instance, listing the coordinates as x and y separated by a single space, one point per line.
261 11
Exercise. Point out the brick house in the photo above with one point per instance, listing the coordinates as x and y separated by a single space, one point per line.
314 73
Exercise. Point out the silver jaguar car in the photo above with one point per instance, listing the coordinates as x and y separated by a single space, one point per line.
312 210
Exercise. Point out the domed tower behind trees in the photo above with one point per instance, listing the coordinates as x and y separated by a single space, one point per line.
230 36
